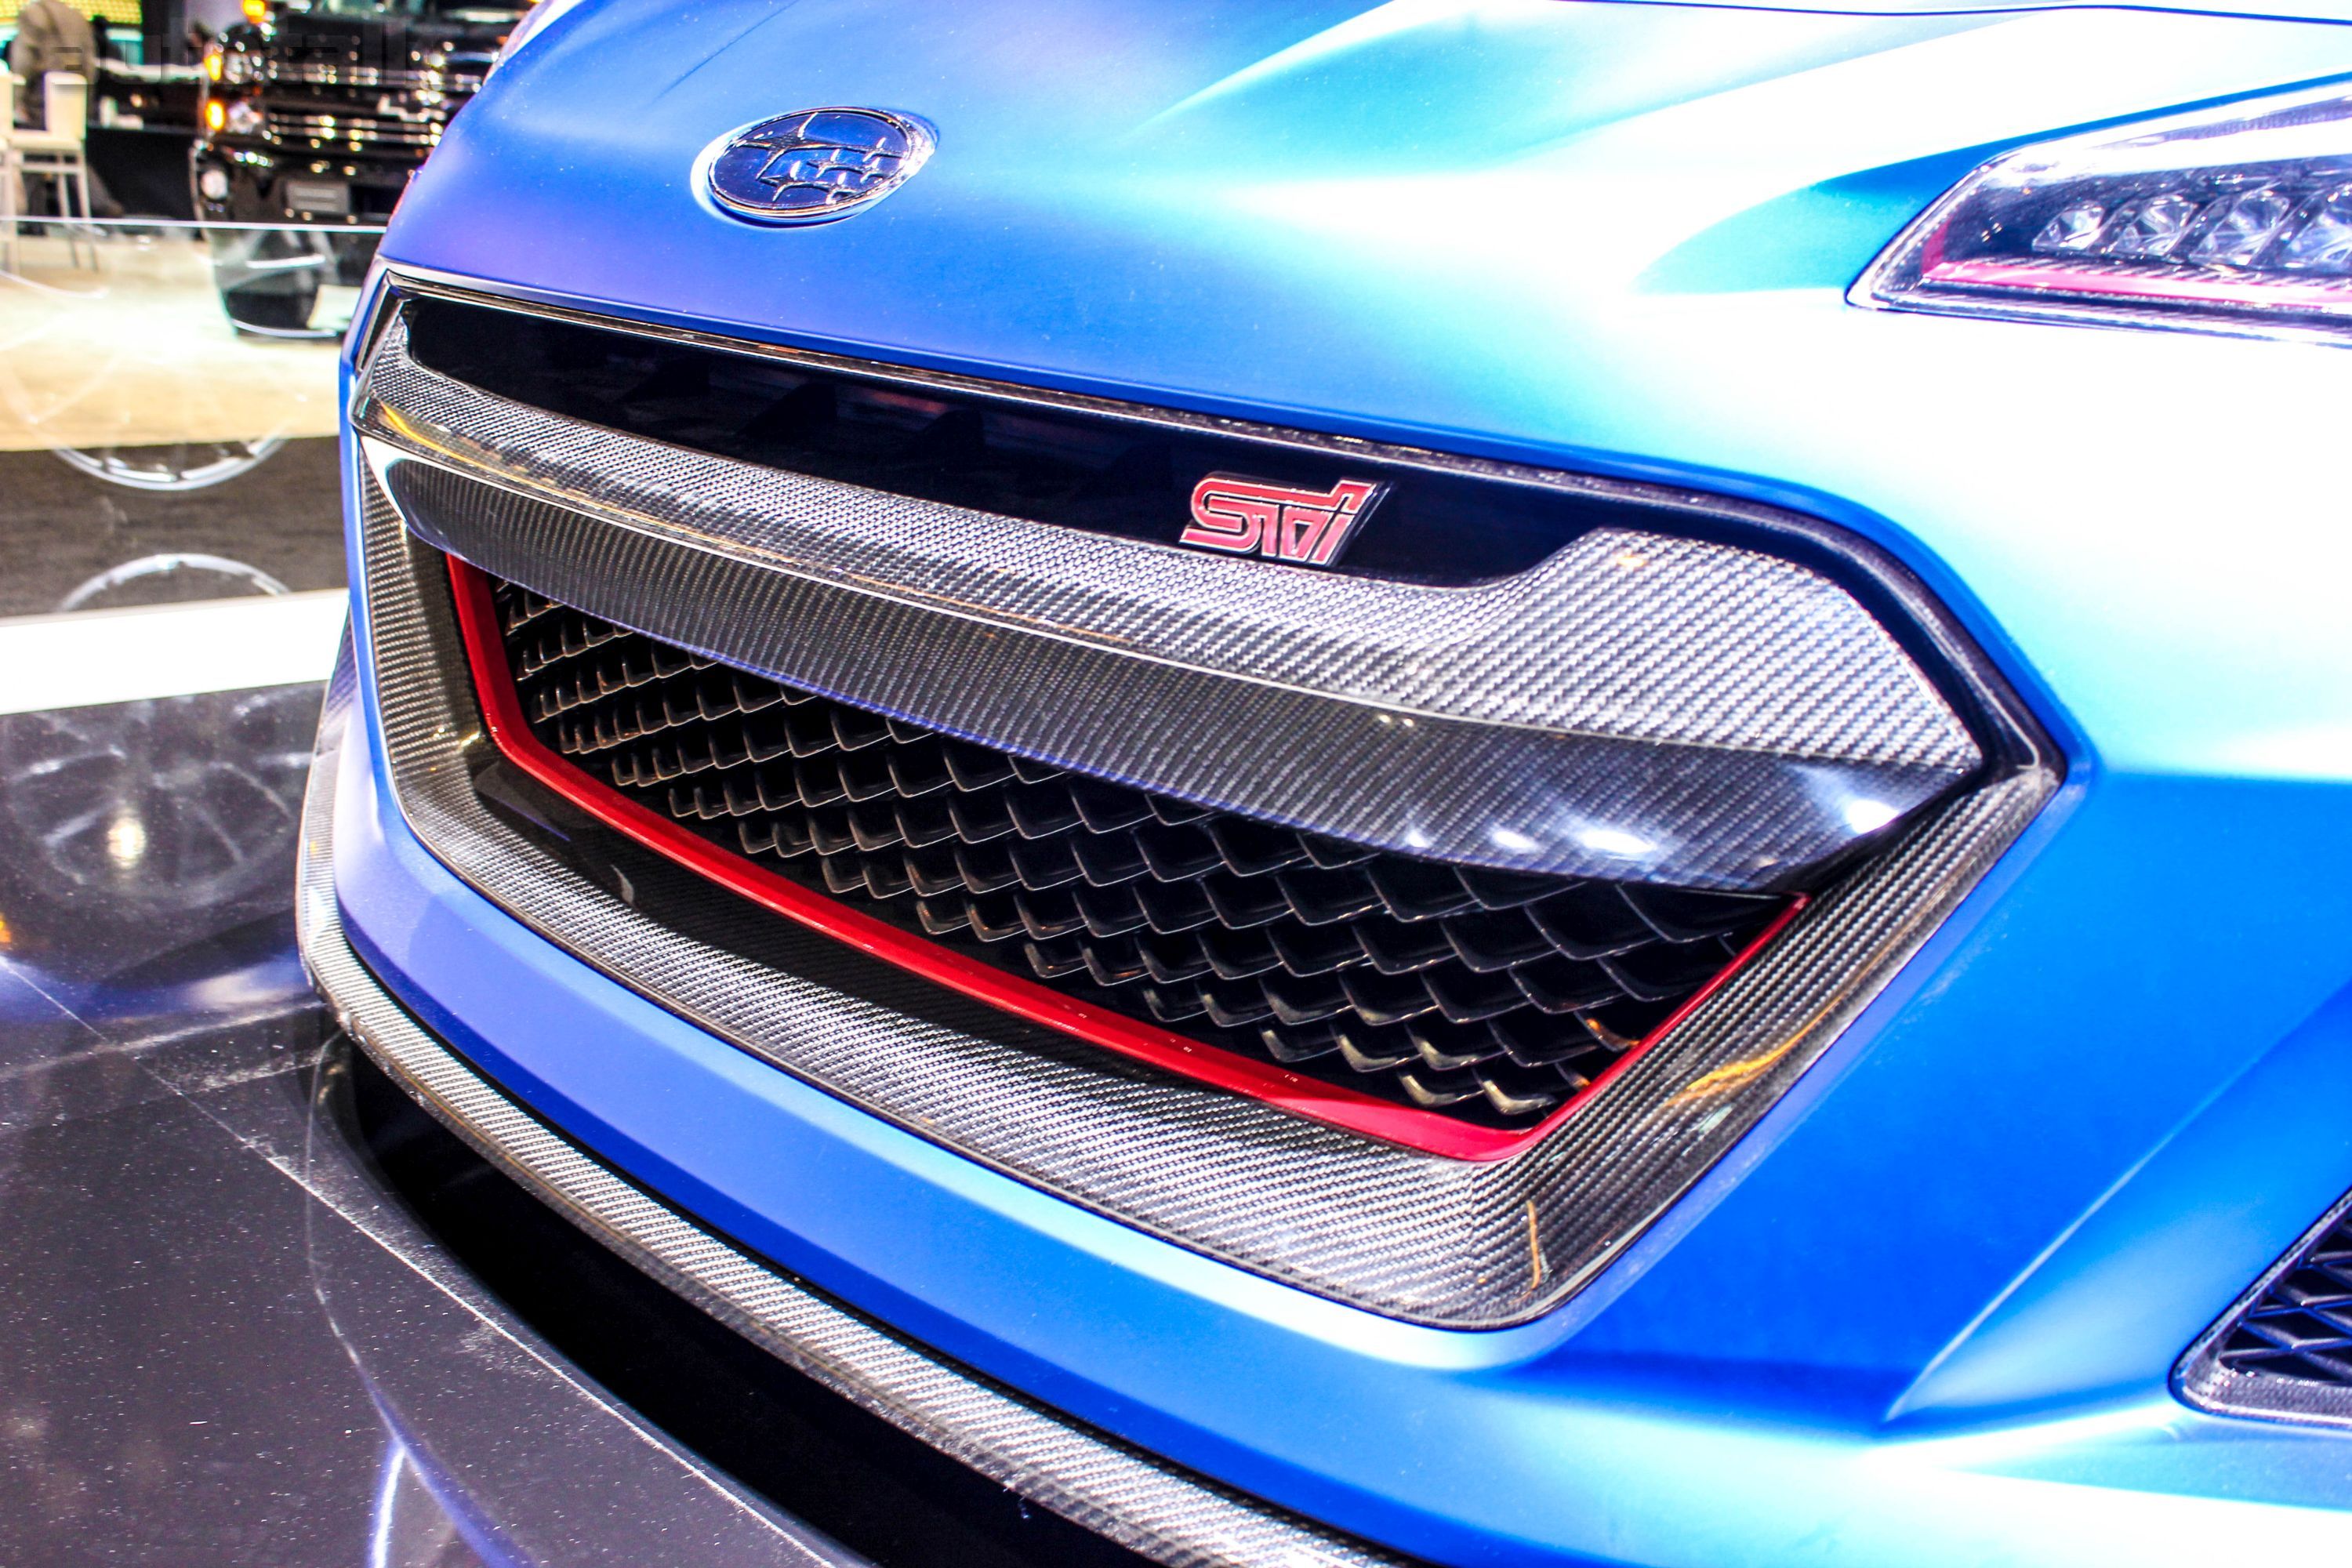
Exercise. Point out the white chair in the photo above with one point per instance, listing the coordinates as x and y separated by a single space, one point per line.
54 152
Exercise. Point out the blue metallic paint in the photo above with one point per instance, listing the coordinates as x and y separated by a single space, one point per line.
1927 1313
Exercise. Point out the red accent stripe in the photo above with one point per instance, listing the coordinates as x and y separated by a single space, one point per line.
1429 1131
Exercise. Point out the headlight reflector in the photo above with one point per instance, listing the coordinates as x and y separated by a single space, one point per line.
2234 220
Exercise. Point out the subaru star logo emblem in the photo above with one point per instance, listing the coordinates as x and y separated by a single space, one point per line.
814 165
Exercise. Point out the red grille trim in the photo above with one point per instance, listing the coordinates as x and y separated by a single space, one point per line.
1413 1128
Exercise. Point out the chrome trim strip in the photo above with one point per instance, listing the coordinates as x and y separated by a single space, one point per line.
1637 706
1412 1235
287 125
312 75
1105 1485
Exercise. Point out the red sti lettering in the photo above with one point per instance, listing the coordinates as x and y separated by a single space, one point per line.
1246 516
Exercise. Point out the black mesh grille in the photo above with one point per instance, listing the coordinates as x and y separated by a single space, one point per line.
1493 995
2302 1326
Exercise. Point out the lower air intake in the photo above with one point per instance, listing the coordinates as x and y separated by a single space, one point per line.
1493 997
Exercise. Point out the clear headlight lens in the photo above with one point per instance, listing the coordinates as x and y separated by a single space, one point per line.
239 66
2234 220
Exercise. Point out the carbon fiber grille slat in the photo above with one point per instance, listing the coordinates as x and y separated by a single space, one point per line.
1493 995
1635 707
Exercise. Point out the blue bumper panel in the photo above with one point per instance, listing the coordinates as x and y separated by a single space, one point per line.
1926 1312
1573 1437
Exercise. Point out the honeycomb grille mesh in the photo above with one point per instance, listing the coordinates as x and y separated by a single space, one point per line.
1493 996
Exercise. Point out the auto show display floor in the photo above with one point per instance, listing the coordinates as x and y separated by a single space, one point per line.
225 1337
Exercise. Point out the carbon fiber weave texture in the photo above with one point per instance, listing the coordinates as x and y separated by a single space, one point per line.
1415 1237
1094 1479
1690 711
1476 793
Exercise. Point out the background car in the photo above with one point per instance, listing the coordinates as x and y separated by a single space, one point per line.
317 115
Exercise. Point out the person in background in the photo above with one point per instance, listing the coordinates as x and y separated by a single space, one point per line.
51 35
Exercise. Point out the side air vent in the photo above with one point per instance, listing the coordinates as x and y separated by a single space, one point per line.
2285 1349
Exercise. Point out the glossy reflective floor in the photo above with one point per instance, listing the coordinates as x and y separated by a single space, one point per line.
223 1337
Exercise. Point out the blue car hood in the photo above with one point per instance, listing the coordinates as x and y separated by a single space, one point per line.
1611 235
1318 207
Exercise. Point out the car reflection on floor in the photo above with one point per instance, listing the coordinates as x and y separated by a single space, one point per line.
154 1035
225 1339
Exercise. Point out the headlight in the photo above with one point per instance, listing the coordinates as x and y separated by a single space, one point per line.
2230 220
239 66
244 119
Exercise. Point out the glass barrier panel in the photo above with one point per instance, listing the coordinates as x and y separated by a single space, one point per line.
167 409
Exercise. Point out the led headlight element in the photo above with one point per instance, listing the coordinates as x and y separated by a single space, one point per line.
2236 220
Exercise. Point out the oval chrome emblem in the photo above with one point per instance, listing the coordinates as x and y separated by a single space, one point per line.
814 165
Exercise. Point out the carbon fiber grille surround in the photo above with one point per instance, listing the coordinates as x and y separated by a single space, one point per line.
1414 1236
1496 997
1131 1496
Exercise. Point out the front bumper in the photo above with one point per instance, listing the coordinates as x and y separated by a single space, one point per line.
1112 1488
257 173
1544 1443
1929 1309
